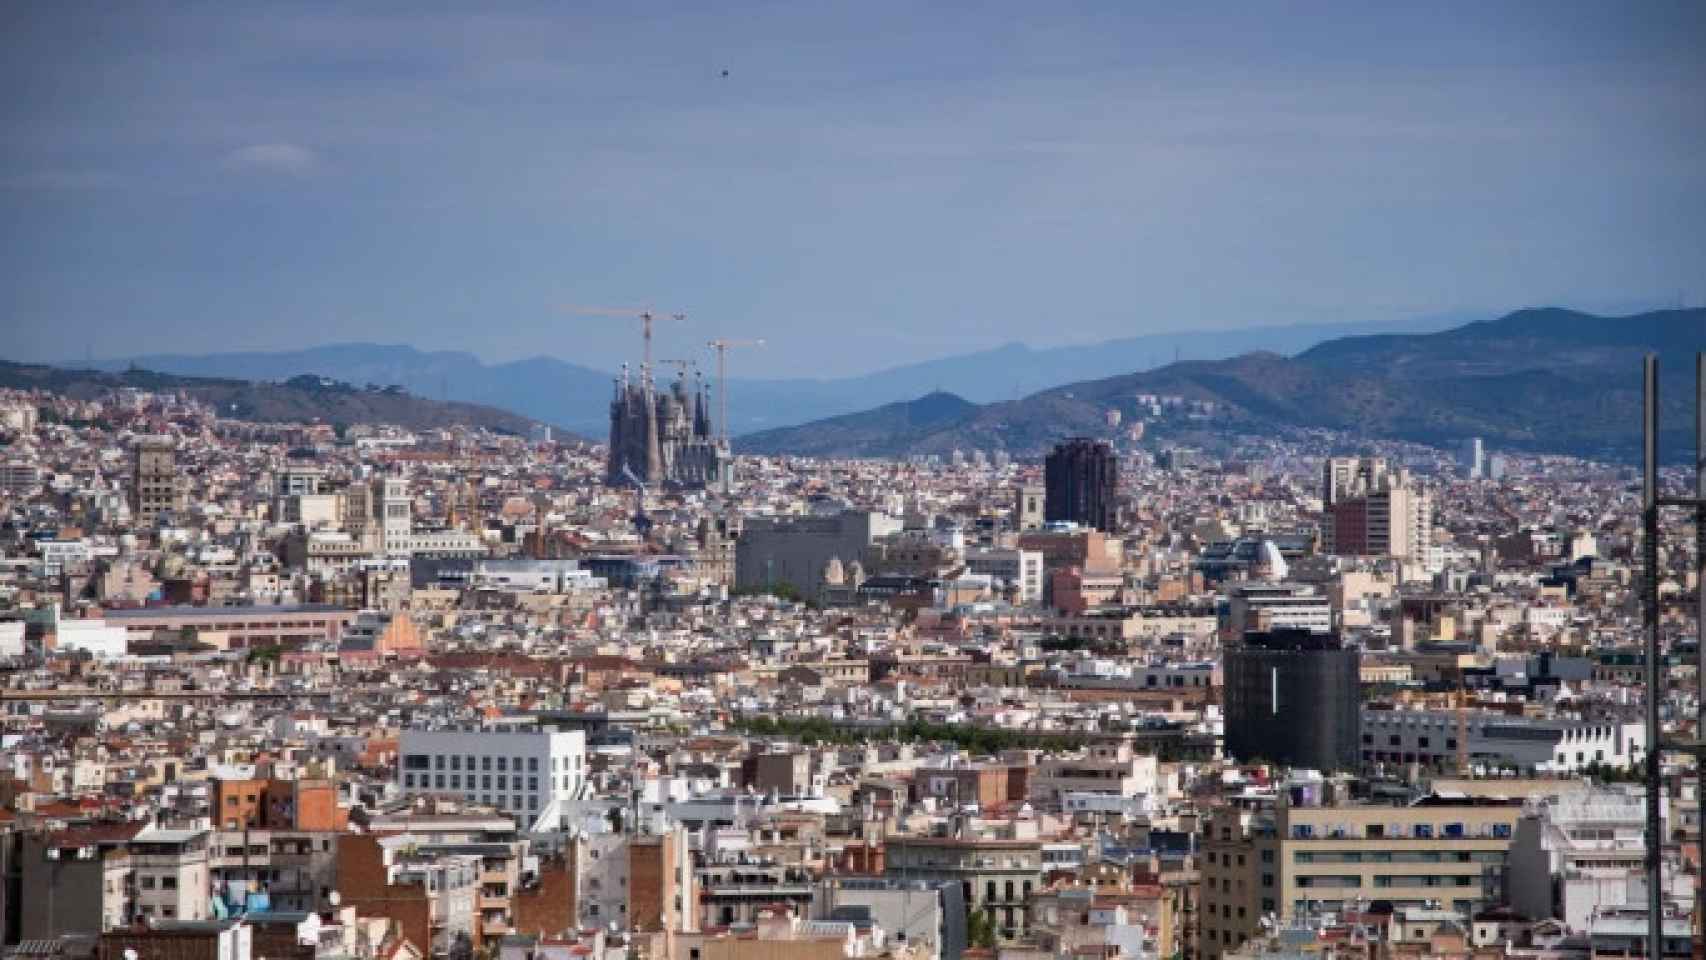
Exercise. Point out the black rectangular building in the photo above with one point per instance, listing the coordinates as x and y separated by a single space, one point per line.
1081 483
1294 698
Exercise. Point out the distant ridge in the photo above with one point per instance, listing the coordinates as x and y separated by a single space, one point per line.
577 396
1543 380
867 434
302 399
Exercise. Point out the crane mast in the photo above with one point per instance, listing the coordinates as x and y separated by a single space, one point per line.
722 347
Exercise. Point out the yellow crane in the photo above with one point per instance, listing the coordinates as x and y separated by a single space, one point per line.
722 347
645 316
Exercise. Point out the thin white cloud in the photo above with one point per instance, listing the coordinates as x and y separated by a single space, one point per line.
286 159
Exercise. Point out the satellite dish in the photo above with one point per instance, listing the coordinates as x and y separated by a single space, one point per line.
334 898
129 953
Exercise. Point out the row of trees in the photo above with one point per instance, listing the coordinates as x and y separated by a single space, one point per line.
981 740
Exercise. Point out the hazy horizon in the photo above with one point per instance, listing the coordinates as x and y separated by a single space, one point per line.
865 188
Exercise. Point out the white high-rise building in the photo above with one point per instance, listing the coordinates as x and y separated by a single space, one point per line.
1343 477
1473 459
528 772
396 514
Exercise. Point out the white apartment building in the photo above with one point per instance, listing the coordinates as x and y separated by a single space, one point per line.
97 638
169 870
1560 745
533 576
1254 606
530 773
1112 769
1103 673
1022 568
1575 854
12 638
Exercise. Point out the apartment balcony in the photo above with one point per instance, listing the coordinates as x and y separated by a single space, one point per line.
780 890
496 928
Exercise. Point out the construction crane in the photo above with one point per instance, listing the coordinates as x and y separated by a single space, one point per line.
722 348
646 318
683 366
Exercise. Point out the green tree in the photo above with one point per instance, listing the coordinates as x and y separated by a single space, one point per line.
980 928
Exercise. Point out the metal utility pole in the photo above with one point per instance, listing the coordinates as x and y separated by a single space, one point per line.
1650 610
1652 503
1700 629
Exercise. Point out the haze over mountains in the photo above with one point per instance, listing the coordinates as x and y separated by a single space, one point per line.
575 396
1547 380
1544 380
302 399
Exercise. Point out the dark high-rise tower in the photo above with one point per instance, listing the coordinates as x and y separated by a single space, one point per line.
1082 478
1294 697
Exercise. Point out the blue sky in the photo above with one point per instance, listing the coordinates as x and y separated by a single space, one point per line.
871 183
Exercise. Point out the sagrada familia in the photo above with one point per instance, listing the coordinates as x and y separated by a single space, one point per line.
662 438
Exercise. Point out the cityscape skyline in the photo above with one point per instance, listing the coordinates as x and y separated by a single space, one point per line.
531 481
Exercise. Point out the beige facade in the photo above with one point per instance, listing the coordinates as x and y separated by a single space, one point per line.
1288 859
997 875
155 486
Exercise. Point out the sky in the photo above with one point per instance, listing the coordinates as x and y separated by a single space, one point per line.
869 183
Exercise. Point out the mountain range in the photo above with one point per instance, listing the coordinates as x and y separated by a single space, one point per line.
1544 380
575 396
301 399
